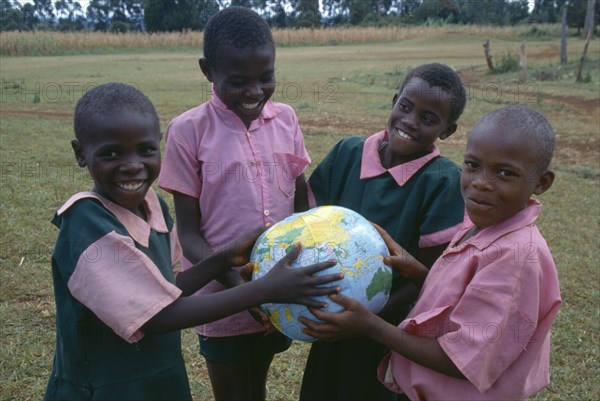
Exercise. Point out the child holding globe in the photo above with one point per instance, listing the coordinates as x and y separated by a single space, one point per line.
120 297
233 162
397 179
480 329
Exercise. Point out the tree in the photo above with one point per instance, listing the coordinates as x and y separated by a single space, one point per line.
70 15
576 11
98 15
484 12
178 15
44 12
307 13
588 25
29 18
11 16
518 11
126 15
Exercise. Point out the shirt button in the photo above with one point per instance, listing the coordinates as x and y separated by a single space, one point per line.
266 212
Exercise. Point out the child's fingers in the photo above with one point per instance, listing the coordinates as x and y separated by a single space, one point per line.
326 279
246 271
292 253
322 291
321 331
314 325
389 241
343 300
317 267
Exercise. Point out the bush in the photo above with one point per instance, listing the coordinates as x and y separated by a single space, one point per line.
508 63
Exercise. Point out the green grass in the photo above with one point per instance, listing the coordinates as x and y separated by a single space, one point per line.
337 91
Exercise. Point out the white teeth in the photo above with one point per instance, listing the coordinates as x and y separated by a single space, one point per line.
405 135
250 106
130 186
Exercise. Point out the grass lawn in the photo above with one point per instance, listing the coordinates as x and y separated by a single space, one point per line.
336 91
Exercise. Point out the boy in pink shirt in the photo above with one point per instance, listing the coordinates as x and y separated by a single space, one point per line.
233 162
480 329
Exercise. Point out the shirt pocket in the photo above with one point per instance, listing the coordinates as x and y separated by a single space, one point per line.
288 167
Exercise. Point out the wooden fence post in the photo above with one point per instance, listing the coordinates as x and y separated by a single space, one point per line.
582 59
523 62
563 37
488 54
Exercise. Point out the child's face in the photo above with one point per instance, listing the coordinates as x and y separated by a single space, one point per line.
420 115
122 154
499 175
243 79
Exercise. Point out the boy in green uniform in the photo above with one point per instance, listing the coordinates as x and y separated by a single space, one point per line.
397 179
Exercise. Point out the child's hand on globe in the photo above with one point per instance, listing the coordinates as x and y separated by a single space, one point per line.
299 285
354 321
239 250
402 261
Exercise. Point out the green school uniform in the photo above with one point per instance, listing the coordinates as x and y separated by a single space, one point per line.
106 287
419 204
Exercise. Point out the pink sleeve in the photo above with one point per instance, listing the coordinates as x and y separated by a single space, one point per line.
121 285
299 147
497 316
181 169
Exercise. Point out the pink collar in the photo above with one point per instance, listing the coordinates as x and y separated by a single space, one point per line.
268 112
138 228
371 162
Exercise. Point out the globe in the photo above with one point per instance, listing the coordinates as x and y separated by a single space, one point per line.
326 232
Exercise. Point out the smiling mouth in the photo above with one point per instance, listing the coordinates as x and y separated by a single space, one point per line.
131 186
404 135
480 203
250 106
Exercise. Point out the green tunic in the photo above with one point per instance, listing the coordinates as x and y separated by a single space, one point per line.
91 361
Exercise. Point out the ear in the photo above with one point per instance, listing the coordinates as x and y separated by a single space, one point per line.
451 129
545 182
206 69
79 154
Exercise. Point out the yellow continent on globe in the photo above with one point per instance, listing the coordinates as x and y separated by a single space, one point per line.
311 229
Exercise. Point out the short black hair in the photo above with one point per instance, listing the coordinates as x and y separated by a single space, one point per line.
235 28
529 125
106 99
441 76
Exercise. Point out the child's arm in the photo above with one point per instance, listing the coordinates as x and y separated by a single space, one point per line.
235 254
187 209
301 195
358 321
283 284
196 249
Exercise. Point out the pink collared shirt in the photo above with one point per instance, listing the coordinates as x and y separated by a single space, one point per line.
243 178
490 302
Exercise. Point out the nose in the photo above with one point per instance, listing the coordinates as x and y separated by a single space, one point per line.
254 91
480 181
131 167
410 120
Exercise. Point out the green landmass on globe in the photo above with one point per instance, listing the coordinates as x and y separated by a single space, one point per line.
326 232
